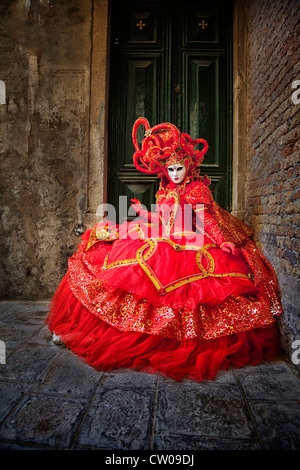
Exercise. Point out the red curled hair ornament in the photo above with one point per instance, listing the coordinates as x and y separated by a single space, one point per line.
163 146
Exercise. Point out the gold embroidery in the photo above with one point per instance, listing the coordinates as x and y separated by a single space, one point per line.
142 258
168 222
186 233
116 264
101 234
176 246
209 258
180 282
146 268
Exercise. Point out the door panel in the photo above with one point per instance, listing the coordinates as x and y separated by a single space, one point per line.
201 25
170 61
141 73
202 91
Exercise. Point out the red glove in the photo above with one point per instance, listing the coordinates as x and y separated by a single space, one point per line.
151 216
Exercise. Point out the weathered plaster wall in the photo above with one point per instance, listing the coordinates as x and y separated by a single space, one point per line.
272 190
45 53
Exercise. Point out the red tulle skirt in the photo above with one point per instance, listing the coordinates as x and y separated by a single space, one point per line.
105 348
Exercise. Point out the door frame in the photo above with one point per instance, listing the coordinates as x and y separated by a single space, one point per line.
99 104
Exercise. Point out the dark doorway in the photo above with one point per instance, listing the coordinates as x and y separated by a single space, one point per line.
170 62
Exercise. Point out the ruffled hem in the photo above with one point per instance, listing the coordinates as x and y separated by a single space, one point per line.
104 347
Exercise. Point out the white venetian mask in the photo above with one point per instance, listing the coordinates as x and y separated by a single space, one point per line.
176 173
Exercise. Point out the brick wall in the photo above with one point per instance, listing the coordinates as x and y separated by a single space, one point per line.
273 190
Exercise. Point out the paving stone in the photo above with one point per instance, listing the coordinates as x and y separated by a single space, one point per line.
278 424
186 443
26 312
227 376
49 398
271 386
69 375
208 410
6 308
130 379
15 335
42 335
44 420
268 367
119 419
11 446
28 363
10 394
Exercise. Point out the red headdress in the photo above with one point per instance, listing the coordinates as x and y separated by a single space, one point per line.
165 145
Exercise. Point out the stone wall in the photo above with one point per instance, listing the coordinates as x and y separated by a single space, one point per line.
45 53
272 191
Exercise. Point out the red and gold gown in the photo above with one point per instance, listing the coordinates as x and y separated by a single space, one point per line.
166 303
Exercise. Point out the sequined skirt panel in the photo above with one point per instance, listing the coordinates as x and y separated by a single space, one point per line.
159 288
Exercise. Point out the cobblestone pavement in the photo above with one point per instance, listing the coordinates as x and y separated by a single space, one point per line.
50 399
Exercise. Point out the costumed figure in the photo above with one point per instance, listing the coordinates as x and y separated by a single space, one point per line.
182 290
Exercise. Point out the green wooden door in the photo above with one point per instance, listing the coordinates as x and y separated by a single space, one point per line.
170 61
